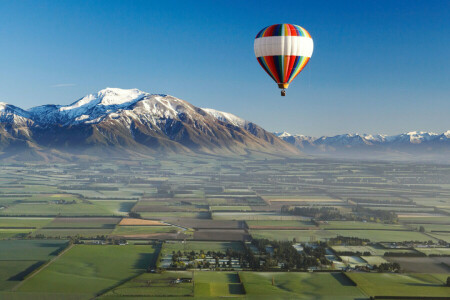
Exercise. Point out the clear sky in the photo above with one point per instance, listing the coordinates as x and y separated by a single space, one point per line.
377 67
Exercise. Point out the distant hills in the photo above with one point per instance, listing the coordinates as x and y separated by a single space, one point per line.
406 146
129 122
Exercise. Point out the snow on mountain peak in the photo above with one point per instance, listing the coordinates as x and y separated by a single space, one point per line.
282 134
225 117
107 97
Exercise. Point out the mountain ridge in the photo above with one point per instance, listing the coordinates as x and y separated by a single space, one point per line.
133 121
411 145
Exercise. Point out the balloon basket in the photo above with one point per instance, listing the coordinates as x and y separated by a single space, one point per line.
283 92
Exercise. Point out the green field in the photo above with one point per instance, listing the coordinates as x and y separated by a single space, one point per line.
30 249
101 223
360 225
230 208
155 285
277 223
51 209
24 222
299 286
20 257
417 285
89 270
217 284
434 251
68 232
374 260
12 271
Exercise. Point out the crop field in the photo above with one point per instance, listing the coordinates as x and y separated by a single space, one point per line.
374 260
289 235
87 270
52 209
105 223
230 208
353 260
252 216
155 285
275 224
20 222
18 258
423 264
333 225
133 230
299 286
139 222
217 284
416 285
434 251
112 212
30 249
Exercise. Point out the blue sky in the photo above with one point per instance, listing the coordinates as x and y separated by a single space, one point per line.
377 67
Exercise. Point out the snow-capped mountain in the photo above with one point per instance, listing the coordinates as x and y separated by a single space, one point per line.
133 120
371 146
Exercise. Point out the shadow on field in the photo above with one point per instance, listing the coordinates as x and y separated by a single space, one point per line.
233 278
424 284
343 280
236 289
21 276
126 206
144 261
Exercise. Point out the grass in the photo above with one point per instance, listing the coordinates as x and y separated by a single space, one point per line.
68 232
12 271
217 284
299 286
417 285
14 233
277 223
115 207
155 285
285 235
24 222
30 249
52 209
90 270
374 260
103 223
231 208
434 251
360 225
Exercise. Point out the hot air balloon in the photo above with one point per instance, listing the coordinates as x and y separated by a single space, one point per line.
283 50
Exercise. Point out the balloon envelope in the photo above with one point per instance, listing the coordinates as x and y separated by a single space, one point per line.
283 50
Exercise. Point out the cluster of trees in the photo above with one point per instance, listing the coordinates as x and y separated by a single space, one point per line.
324 213
364 213
353 253
347 240
405 254
288 257
388 267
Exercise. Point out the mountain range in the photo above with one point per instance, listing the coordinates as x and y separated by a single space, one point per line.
119 121
123 122
412 145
